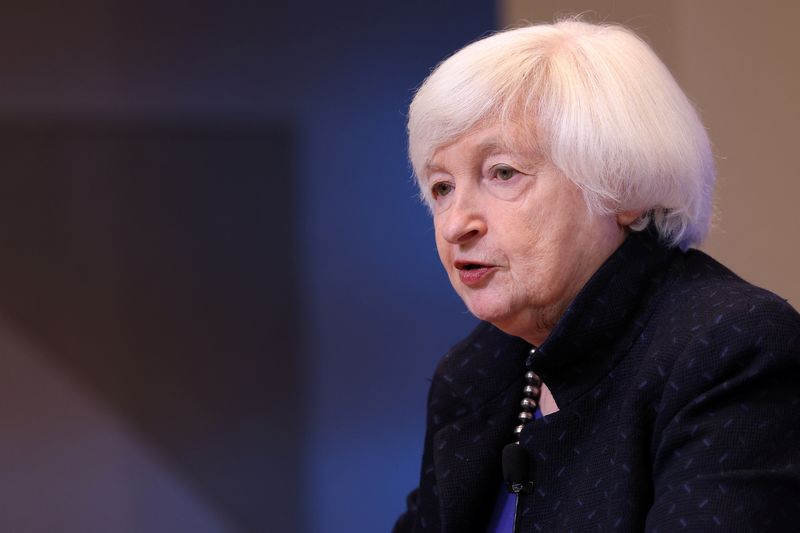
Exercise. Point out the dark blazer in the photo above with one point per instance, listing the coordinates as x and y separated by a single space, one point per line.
679 393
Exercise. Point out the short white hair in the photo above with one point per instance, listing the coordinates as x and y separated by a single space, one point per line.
597 102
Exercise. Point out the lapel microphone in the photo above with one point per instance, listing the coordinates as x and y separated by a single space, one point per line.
516 474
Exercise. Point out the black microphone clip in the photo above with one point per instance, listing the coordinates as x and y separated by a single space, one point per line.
516 472
524 488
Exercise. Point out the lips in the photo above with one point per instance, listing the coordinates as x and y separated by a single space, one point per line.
473 273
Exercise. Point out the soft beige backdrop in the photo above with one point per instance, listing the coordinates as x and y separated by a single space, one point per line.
739 62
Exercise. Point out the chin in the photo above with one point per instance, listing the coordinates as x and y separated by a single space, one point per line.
491 312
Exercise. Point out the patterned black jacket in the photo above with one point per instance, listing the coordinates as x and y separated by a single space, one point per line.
679 393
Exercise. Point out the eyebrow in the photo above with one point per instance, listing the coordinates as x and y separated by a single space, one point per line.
488 146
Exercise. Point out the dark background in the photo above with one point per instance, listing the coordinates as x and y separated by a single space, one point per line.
219 296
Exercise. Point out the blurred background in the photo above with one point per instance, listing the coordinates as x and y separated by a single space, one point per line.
220 301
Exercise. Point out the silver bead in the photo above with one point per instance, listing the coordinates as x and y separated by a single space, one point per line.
525 416
518 430
528 403
531 376
531 391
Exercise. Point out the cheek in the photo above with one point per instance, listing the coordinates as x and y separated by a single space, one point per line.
545 257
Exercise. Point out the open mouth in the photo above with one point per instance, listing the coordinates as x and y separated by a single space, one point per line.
463 265
473 274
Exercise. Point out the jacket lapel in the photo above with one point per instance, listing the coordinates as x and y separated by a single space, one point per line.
466 458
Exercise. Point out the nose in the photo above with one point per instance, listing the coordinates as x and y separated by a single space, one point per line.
464 221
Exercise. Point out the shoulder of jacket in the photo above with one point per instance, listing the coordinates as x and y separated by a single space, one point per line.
707 299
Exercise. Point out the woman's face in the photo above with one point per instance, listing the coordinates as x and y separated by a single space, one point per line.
514 235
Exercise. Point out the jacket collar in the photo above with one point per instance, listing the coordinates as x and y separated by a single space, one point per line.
604 319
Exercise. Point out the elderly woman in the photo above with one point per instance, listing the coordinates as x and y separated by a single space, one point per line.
640 384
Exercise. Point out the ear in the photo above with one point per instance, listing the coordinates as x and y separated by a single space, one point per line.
626 218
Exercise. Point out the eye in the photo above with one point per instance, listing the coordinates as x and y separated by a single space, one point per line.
503 172
441 188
